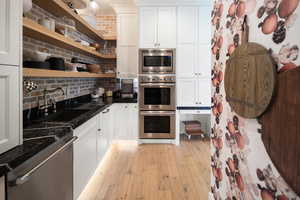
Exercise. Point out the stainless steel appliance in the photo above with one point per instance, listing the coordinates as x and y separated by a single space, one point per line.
157 103
50 179
157 92
127 89
157 61
157 124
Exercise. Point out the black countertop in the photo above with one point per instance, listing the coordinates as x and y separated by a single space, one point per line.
42 137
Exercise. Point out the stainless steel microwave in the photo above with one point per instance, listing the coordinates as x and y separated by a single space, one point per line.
157 61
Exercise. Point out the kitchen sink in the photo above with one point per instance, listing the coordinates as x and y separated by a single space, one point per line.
62 116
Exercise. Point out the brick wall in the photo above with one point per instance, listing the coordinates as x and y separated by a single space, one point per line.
107 24
73 87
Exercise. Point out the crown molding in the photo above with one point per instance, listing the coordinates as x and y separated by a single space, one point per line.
173 2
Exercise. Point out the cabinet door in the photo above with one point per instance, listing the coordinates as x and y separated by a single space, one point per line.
9 107
187 25
103 134
204 60
10 37
186 91
187 56
187 60
148 27
204 92
127 62
166 34
85 155
204 24
120 121
134 118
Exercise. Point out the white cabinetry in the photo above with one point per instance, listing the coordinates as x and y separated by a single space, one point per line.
193 92
10 74
104 134
9 107
127 47
125 120
85 154
10 31
193 43
193 56
158 27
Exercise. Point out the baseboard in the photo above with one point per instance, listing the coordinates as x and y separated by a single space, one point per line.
156 141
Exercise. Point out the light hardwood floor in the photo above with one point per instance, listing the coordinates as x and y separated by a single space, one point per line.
152 172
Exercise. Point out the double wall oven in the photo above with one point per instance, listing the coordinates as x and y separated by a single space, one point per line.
157 94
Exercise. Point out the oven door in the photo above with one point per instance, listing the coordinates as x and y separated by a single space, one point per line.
157 124
157 96
158 61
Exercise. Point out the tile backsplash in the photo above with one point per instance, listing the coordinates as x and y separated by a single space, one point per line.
73 87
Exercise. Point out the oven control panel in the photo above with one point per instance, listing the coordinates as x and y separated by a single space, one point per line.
157 79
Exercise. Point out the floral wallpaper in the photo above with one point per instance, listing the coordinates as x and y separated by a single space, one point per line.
241 167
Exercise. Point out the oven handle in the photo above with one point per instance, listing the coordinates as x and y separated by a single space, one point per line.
22 179
157 113
158 84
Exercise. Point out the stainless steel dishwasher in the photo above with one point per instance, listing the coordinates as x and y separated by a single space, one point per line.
51 179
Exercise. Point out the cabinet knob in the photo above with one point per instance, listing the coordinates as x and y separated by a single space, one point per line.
99 129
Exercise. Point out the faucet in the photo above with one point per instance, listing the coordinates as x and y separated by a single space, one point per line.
46 106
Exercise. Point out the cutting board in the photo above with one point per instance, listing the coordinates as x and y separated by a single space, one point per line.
281 128
250 77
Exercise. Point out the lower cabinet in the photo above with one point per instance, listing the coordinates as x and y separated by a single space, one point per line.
10 101
125 120
85 154
117 122
104 133
193 92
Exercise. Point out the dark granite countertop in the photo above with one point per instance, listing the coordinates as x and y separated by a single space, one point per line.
44 136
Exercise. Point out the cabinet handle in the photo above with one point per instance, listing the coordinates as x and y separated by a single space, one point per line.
99 129
22 179
106 111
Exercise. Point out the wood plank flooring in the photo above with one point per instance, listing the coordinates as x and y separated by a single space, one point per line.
152 172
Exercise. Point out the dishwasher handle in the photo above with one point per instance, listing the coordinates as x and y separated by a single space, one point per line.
24 178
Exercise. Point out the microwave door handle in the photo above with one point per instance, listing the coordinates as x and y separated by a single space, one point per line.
158 84
157 113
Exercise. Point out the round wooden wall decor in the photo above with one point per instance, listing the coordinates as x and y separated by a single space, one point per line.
250 77
281 128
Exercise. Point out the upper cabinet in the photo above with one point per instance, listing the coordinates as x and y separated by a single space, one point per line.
193 42
204 24
127 46
10 74
10 37
158 27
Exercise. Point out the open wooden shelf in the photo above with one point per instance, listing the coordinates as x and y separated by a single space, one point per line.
60 9
34 30
30 72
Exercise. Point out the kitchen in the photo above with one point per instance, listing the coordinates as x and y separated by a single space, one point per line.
140 99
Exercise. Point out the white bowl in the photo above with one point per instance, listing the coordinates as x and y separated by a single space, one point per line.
40 56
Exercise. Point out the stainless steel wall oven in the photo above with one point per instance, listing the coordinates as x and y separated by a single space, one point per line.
157 102
157 124
157 92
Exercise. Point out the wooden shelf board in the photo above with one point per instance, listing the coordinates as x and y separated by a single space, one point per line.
34 30
60 9
31 72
